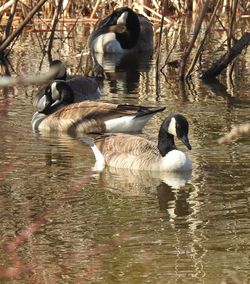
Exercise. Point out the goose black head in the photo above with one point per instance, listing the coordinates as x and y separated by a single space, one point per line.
176 125
126 16
43 99
125 24
55 94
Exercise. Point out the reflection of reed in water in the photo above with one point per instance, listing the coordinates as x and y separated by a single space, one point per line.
139 183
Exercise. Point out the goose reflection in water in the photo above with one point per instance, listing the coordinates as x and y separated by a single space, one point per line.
121 68
138 183
167 186
62 154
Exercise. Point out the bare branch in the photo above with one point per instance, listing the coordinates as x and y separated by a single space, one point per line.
54 24
12 36
191 44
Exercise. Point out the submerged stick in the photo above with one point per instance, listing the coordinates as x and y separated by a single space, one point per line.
228 57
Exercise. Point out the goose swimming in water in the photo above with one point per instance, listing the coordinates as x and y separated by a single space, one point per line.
121 32
137 153
84 88
60 114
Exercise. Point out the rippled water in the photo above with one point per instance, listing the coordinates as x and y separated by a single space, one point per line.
61 222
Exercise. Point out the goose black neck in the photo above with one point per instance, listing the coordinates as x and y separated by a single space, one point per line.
165 142
53 108
65 93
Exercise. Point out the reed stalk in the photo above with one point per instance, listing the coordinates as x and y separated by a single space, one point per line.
53 28
19 29
192 42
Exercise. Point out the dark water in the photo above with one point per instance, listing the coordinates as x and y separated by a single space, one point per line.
61 222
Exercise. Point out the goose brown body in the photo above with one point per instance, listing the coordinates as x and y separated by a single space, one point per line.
127 151
89 117
137 153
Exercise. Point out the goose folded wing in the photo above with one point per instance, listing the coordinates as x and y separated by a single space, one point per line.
116 144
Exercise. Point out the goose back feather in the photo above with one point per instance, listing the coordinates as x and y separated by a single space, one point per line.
94 117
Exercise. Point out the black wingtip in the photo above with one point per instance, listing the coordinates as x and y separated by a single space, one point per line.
149 110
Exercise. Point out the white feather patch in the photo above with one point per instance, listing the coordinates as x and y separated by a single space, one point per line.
176 160
129 123
172 127
123 18
54 90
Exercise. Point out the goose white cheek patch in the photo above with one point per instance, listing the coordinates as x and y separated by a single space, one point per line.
123 18
54 91
172 127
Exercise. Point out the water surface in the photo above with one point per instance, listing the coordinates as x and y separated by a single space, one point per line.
62 222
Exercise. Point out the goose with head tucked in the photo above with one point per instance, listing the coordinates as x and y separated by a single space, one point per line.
84 88
123 31
137 153
61 114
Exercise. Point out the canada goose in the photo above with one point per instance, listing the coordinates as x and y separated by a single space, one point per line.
84 88
88 116
137 153
121 32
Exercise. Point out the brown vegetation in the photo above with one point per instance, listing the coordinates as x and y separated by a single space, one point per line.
45 15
